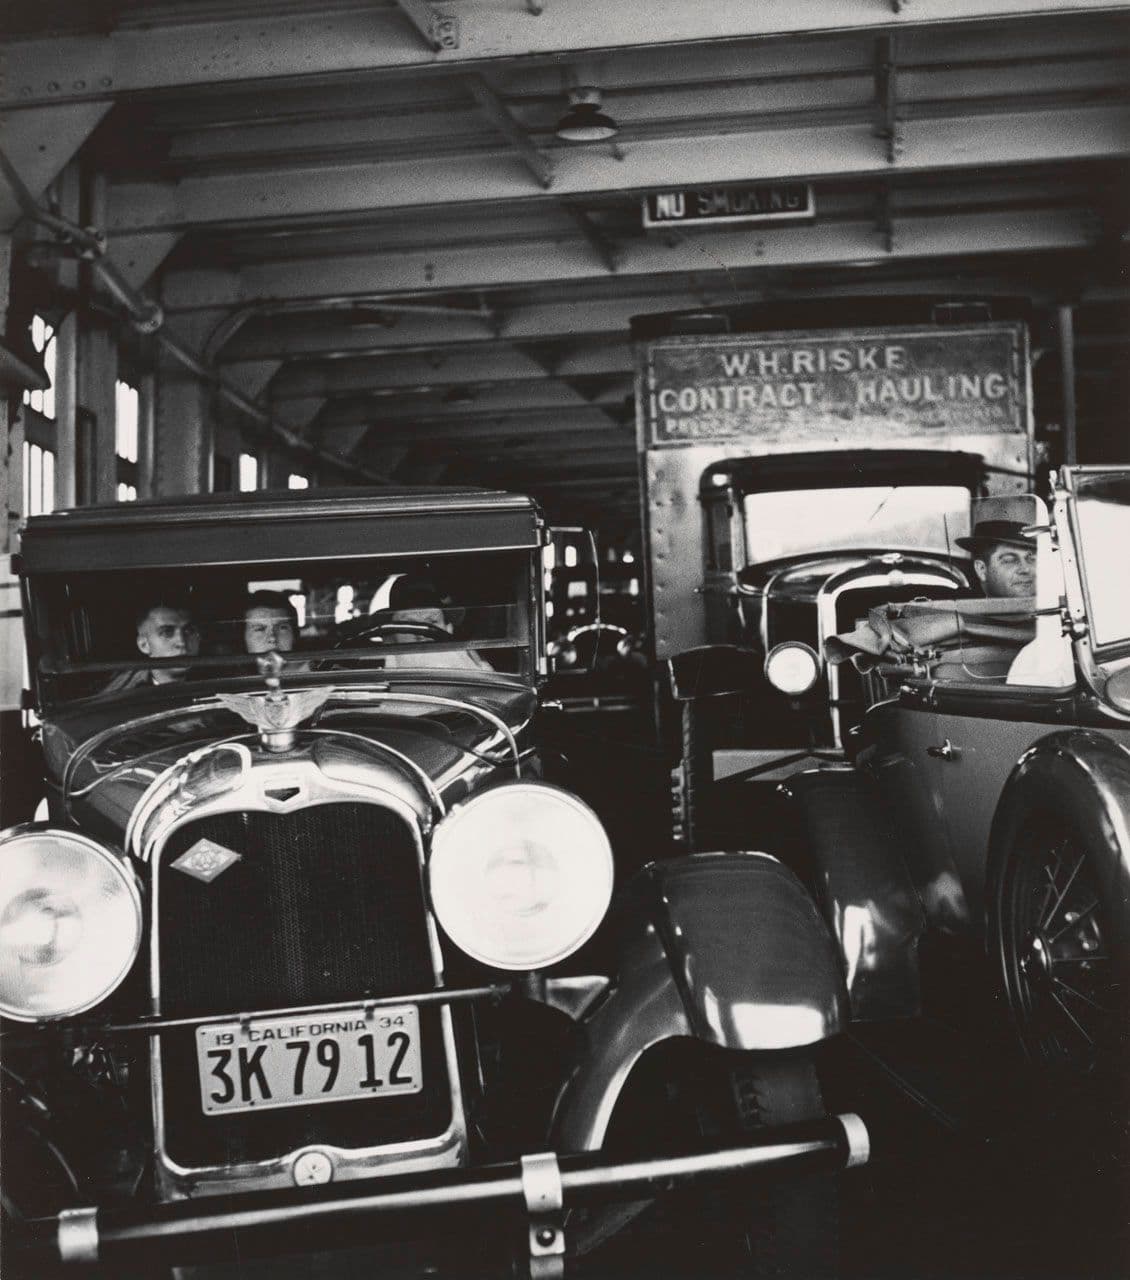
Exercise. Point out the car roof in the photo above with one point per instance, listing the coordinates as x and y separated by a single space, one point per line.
284 525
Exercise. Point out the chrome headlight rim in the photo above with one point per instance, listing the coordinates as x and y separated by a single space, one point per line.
447 831
118 863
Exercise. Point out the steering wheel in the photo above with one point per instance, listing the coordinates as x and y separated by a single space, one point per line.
382 628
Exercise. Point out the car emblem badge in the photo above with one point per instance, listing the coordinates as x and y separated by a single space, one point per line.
205 860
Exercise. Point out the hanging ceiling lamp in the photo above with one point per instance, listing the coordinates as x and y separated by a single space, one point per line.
584 121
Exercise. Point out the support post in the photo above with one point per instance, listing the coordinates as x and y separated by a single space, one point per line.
68 190
11 427
146 435
98 372
184 426
1065 325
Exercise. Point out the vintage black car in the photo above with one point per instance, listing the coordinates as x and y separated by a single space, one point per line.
303 951
980 810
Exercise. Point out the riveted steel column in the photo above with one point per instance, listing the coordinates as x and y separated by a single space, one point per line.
146 435
184 421
97 375
67 189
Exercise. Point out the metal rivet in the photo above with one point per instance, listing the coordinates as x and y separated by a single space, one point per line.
546 1235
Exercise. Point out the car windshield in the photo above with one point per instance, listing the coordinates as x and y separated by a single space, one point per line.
1102 518
899 517
108 632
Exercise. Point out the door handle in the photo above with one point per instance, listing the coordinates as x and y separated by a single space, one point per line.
947 751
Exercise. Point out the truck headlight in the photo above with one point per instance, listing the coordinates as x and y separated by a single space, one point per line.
70 923
792 667
521 875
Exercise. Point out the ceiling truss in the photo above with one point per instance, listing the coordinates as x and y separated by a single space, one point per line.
366 212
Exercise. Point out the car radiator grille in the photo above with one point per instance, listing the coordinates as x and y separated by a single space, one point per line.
323 905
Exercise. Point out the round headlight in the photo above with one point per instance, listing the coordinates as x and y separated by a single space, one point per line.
521 875
70 923
792 668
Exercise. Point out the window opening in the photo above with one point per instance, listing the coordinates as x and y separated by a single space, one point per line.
39 480
125 439
248 472
297 481
343 606
43 340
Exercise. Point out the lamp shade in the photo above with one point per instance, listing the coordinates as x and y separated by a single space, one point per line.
584 121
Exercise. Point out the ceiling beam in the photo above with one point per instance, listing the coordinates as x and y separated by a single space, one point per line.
439 29
394 375
1058 134
566 320
340 120
138 257
500 265
544 396
337 37
583 420
496 111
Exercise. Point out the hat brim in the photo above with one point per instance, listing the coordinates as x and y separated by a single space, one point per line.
979 544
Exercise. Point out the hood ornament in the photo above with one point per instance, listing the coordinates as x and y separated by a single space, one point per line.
276 713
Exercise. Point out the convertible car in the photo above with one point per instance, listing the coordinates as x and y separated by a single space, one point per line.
981 805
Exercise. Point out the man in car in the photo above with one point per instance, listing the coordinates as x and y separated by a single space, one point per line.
1003 559
165 629
417 600
270 623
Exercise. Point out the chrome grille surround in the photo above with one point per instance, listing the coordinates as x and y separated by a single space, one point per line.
366 784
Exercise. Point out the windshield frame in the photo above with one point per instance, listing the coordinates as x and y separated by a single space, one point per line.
308 666
1094 658
859 534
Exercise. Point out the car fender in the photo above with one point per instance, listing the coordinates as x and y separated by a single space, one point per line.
854 858
1084 776
727 948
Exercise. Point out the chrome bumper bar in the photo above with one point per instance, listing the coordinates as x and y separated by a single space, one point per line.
535 1192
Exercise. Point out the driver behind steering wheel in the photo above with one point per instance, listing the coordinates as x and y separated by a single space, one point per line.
417 601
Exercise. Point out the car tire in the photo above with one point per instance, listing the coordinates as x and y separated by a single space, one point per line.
794 1230
689 1094
1056 924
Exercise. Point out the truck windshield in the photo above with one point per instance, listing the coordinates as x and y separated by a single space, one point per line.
895 517
110 632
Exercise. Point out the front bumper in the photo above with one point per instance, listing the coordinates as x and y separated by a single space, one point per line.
534 1193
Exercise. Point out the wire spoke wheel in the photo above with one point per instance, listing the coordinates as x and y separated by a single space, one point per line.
1060 972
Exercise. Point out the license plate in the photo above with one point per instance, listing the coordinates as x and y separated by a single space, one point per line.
327 1057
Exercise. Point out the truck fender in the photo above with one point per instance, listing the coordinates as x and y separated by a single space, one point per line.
1083 777
727 948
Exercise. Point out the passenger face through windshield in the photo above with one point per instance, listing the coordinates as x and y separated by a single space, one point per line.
269 625
167 632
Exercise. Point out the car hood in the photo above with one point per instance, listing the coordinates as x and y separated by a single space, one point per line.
104 755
